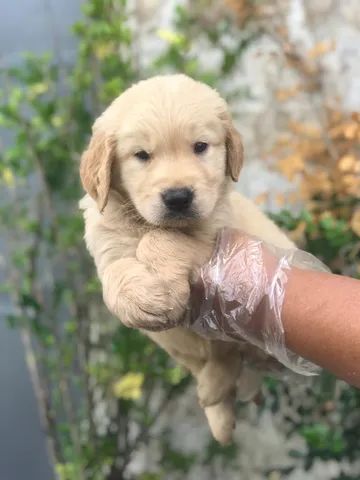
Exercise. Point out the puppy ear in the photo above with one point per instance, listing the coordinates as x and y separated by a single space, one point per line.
95 167
234 151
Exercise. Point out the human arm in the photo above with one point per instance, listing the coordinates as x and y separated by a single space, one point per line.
321 319
282 301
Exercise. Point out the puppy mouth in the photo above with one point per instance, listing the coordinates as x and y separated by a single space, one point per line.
179 219
190 214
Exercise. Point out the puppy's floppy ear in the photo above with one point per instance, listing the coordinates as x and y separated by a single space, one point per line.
234 150
95 167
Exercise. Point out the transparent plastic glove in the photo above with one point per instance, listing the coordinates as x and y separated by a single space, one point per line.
240 292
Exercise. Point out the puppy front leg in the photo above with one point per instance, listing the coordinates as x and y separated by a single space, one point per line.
184 346
138 297
221 418
173 255
218 377
170 256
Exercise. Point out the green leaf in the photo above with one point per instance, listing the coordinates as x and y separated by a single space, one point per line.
176 375
70 327
14 321
15 98
129 387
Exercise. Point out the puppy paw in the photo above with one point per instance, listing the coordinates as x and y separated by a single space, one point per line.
215 382
139 298
222 420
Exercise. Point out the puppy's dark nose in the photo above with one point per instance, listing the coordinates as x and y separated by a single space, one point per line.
178 199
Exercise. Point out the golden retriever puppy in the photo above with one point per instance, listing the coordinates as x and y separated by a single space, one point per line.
158 173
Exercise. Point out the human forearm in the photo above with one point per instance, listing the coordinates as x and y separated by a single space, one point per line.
321 319
281 301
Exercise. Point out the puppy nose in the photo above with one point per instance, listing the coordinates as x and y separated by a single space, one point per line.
178 199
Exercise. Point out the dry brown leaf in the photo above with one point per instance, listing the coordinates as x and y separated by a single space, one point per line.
291 165
312 205
311 148
351 130
308 129
335 116
356 116
355 222
284 139
350 185
297 235
304 191
321 48
293 197
319 182
280 199
282 31
348 163
336 131
241 8
284 94
262 198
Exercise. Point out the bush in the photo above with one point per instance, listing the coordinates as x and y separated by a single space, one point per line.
100 398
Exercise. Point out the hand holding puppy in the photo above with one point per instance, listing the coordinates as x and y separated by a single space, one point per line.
240 292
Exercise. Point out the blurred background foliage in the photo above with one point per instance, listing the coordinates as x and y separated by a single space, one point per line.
102 389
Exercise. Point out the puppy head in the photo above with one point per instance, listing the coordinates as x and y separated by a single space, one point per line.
169 143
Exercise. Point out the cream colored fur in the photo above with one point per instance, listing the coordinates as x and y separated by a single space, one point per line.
146 261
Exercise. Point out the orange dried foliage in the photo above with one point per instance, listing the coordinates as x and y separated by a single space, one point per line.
284 94
355 222
308 130
291 165
297 235
262 199
244 10
321 48
324 156
321 152
241 8
327 160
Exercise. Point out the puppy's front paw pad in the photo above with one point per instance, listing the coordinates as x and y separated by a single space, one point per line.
138 298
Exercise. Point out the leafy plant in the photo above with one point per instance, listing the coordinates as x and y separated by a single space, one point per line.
101 387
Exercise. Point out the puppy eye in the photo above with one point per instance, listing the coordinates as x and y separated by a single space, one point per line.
142 155
200 147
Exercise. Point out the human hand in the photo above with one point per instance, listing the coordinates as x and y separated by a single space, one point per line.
240 292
